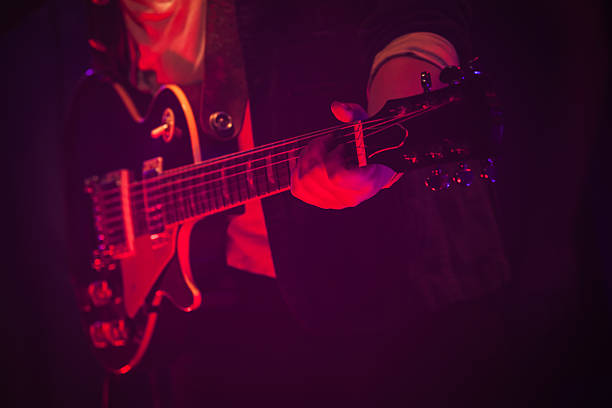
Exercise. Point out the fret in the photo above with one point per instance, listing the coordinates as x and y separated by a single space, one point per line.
176 196
220 193
192 199
219 190
167 208
171 203
251 192
179 203
270 173
233 182
258 172
222 184
201 196
215 190
184 198
283 173
198 199
206 190
293 158
283 165
184 186
225 192
210 197
243 188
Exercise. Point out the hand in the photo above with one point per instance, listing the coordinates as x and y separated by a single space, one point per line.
323 178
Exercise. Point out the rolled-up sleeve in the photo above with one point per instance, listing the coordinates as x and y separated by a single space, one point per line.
389 23
429 47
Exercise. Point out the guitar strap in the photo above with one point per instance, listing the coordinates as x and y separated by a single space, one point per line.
224 88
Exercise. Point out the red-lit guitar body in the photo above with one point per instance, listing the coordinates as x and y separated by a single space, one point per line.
116 291
143 226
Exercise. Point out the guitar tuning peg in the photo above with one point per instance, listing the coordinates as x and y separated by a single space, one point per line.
438 180
451 75
463 175
425 81
488 171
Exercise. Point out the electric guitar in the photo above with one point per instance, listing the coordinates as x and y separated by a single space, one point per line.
142 225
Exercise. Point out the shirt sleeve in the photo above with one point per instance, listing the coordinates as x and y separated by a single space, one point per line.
429 47
423 28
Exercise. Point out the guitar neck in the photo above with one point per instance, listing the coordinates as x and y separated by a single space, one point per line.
219 184
449 125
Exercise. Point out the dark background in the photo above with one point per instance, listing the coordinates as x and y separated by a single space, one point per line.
550 67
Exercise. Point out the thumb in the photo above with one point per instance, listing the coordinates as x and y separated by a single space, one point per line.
348 111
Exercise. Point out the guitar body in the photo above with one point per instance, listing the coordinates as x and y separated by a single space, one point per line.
121 288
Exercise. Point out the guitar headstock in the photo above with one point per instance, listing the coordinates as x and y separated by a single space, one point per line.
460 122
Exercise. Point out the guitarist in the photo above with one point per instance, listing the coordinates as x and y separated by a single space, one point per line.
366 271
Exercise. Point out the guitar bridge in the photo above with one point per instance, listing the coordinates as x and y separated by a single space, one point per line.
112 209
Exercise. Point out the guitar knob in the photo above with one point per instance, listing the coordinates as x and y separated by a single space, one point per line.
116 333
97 264
463 176
489 172
97 333
438 180
222 125
99 292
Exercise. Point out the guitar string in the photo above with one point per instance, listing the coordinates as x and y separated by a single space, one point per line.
195 166
351 139
218 192
199 175
171 184
252 170
139 194
269 146
258 149
447 99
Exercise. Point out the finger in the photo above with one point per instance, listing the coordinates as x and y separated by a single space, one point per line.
348 111
313 154
370 178
339 159
315 189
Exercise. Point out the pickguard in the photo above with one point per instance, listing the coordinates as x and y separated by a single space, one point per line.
142 270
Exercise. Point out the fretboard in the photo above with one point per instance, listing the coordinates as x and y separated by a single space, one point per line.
220 186
215 185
